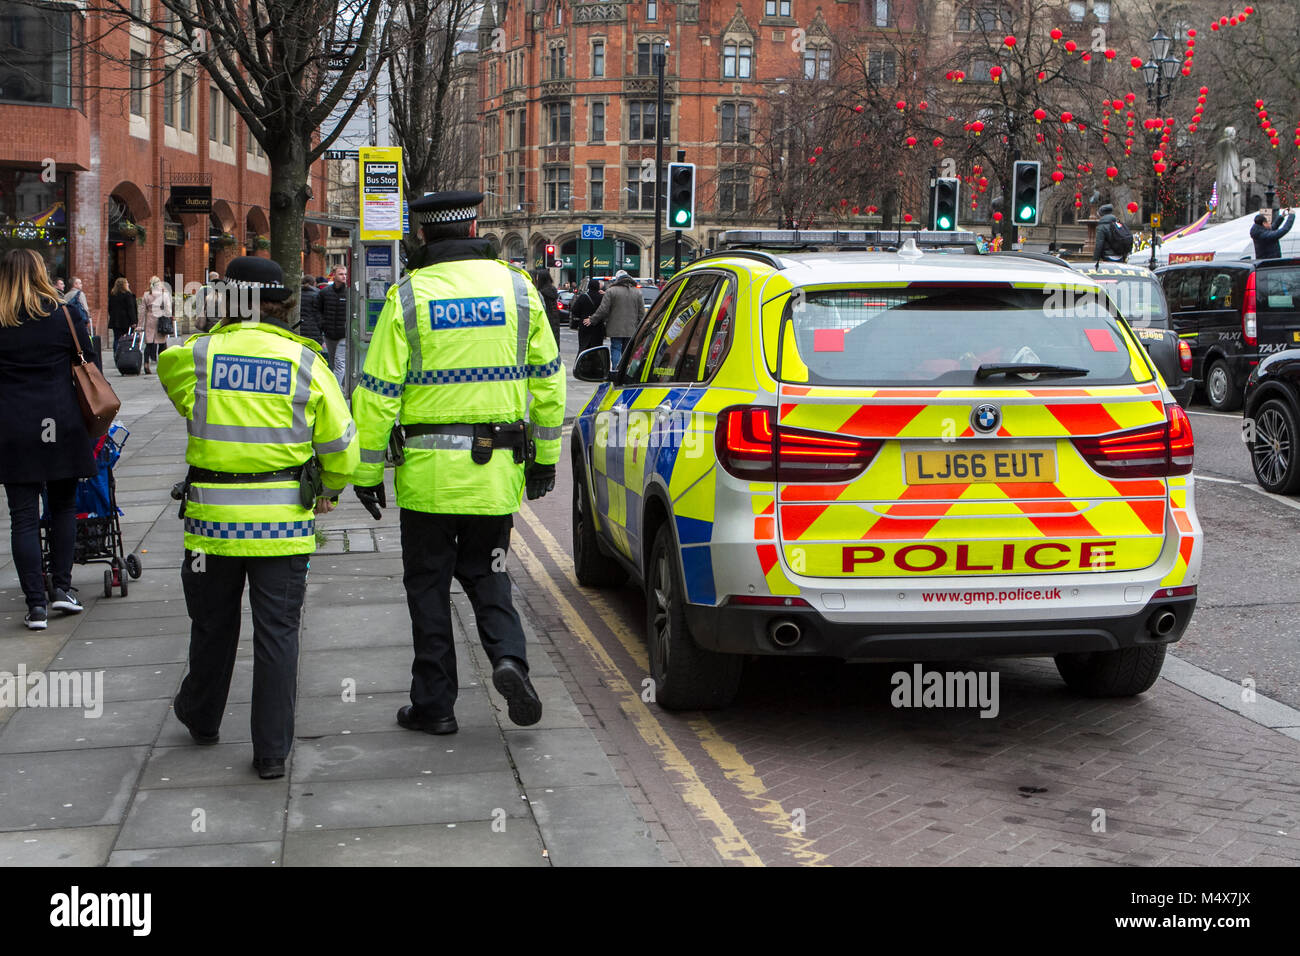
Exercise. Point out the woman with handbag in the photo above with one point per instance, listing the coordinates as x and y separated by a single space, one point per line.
44 443
157 308
122 309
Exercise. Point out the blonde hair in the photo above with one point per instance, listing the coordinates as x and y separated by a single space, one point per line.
25 287
120 285
153 281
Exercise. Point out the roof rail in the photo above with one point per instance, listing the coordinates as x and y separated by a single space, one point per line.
1036 256
844 240
766 258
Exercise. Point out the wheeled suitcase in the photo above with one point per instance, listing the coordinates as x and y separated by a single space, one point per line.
128 354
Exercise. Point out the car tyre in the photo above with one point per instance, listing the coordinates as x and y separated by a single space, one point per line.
686 676
591 565
1121 673
1273 450
1219 390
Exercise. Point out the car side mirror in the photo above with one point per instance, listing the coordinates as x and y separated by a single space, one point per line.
593 365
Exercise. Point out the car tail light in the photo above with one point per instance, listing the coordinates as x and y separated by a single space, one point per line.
1249 325
1154 451
1184 356
747 447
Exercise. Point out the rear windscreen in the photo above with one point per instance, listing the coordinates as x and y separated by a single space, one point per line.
1278 290
942 337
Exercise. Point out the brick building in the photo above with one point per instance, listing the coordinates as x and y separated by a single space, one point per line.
96 131
568 92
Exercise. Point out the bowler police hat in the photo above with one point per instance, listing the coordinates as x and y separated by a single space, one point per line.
264 275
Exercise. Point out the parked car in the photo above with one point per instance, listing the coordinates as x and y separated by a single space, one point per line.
875 456
1271 424
1139 298
1233 313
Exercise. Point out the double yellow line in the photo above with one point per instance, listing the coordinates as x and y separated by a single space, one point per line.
730 843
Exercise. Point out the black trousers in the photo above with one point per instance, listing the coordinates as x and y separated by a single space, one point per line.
25 534
472 549
214 590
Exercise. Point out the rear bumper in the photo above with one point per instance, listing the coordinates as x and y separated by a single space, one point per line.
744 630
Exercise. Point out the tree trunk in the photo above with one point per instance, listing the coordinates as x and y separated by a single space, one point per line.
289 177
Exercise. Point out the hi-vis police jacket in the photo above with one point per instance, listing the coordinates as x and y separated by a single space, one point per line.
463 340
258 399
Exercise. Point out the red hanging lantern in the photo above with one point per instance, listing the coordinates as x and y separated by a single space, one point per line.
1159 168
1215 25
911 141
1111 172
1187 71
1056 34
1057 175
1042 75
858 108
996 73
844 202
1223 21
1234 21
938 141
1110 54
1191 32
923 105
856 209
818 150
1010 41
1129 97
1132 207
1040 115
1039 137
977 127
907 217
902 105
997 217
812 160
1135 62
1071 46
1067 116
871 210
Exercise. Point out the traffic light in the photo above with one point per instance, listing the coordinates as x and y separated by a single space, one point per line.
681 195
550 255
945 203
1024 193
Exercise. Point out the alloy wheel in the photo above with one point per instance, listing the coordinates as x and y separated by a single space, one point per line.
663 598
1272 449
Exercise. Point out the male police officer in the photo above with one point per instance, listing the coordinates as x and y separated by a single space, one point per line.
270 440
459 346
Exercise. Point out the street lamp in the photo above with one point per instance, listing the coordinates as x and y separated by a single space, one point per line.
1159 74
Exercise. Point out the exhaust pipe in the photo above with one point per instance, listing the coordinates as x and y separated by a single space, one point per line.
1162 623
784 632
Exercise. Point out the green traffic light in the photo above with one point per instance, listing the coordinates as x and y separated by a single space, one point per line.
682 217
1027 212
945 222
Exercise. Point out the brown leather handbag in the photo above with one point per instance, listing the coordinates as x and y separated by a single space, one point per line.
99 403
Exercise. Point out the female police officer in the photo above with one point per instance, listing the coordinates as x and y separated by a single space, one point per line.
263 408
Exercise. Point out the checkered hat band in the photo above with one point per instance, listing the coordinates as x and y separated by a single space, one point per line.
450 215
243 284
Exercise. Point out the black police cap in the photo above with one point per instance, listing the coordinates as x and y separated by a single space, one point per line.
255 272
457 206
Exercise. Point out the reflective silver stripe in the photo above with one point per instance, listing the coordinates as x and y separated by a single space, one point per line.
547 432
338 444
406 295
440 442
201 495
522 312
296 434
369 457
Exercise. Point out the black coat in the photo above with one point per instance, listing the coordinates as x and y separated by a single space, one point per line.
584 307
123 311
310 325
551 299
42 436
1108 246
334 312
1267 241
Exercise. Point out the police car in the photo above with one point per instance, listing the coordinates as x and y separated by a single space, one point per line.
887 456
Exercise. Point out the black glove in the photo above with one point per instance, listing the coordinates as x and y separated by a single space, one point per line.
538 480
372 496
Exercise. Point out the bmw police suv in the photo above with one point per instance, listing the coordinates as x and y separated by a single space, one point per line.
887 455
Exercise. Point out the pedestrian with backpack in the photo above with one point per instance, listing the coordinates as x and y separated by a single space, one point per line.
1114 239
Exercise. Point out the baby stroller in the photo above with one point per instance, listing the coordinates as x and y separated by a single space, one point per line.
99 534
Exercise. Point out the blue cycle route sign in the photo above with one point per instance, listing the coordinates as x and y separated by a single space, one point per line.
593 230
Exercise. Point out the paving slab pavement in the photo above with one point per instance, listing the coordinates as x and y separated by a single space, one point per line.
129 788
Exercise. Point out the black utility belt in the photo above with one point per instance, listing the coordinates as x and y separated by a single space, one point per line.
308 475
196 475
485 438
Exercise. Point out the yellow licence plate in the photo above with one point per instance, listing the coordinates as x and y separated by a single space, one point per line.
948 466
